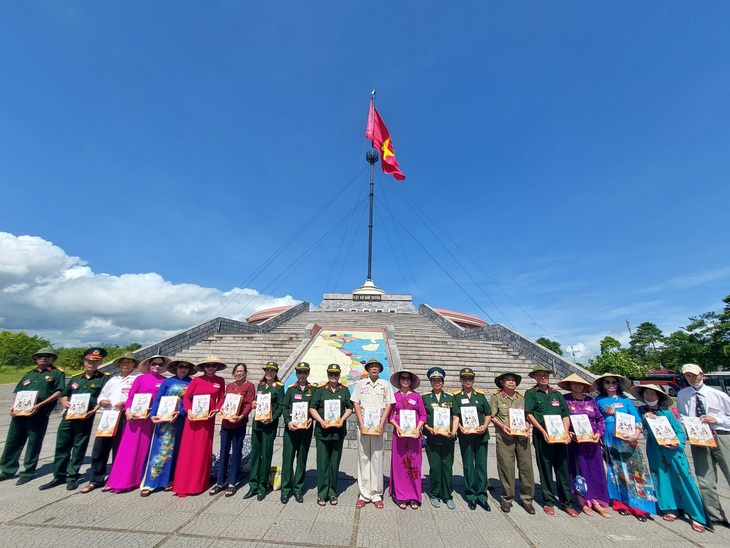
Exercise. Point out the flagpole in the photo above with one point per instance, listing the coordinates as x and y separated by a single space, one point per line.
372 158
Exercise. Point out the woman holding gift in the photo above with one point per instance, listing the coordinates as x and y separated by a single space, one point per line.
406 457
192 471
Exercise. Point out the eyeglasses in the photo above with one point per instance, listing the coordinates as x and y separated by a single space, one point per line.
610 382
210 366
302 372
43 357
333 374
405 378
183 366
156 364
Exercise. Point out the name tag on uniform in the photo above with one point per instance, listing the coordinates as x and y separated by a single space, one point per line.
618 405
259 393
464 400
412 402
26 382
365 389
216 385
555 403
297 396
712 410
74 386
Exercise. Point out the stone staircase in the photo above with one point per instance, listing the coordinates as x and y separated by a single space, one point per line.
420 343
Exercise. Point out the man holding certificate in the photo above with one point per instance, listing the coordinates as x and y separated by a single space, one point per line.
474 413
513 442
73 435
712 408
297 434
329 400
544 401
48 383
372 397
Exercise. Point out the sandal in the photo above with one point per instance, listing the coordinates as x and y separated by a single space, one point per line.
698 527
107 489
216 489
414 505
402 505
334 501
623 512
322 502
640 518
587 511
230 491
669 517
145 493
88 489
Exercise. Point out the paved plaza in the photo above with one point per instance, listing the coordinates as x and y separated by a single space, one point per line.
61 518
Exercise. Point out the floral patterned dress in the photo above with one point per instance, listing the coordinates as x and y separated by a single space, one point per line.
166 439
406 458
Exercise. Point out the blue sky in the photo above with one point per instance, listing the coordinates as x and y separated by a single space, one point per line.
156 155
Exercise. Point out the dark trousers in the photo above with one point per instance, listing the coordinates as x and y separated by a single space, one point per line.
474 458
262 451
72 440
329 454
230 439
24 429
549 457
440 469
101 450
296 446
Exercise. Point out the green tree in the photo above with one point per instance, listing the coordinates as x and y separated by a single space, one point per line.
550 345
646 344
614 359
17 349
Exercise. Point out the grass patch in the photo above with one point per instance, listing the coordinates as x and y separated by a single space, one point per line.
11 375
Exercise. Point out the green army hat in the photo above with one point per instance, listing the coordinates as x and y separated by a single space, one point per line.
467 372
46 350
126 356
271 365
498 380
539 368
375 361
302 366
334 368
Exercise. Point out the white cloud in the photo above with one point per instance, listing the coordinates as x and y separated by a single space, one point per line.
46 292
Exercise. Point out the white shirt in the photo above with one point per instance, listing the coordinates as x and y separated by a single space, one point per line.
717 405
117 388
373 394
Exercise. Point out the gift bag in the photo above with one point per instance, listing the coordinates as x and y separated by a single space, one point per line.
275 478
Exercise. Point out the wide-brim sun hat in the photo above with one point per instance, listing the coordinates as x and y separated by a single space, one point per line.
372 361
126 356
172 366
565 383
211 360
146 363
538 369
46 350
395 379
498 380
623 382
665 400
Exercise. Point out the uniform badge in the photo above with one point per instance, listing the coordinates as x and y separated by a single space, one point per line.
26 382
74 386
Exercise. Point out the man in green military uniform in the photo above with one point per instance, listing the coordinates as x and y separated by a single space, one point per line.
439 443
296 439
473 438
329 436
511 447
542 400
48 382
73 435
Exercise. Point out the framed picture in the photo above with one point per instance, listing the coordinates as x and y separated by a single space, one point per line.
332 412
300 414
625 425
371 420
662 430
517 422
167 408
200 408
582 427
108 424
698 432
469 418
141 405
407 423
263 407
442 420
78 406
231 406
555 429
24 402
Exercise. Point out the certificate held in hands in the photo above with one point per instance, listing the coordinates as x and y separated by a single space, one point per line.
140 407
231 406
625 425
332 413
78 406
442 420
698 432
167 408
300 414
371 420
24 402
108 424
469 419
662 429
407 423
582 428
263 407
201 408
517 423
555 429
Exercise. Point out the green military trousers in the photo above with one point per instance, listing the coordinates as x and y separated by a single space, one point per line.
262 451
440 468
24 429
474 458
296 446
549 457
329 454
72 440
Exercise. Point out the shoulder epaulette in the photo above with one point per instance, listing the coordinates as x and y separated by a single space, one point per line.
279 383
78 375
61 370
293 385
457 392
452 395
478 391
496 392
518 394
105 373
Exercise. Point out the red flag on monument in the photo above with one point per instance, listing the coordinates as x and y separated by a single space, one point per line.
378 134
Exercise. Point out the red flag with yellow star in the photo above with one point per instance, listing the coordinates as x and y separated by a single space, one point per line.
378 134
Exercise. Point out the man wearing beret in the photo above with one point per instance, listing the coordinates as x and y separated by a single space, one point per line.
48 382
713 408
473 441
73 435
511 448
296 440
543 400
371 392
440 444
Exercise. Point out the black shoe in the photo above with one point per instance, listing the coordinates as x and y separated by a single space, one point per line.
284 499
250 494
22 480
529 508
55 482
484 504
72 485
472 505
299 498
505 506
5 476
260 497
